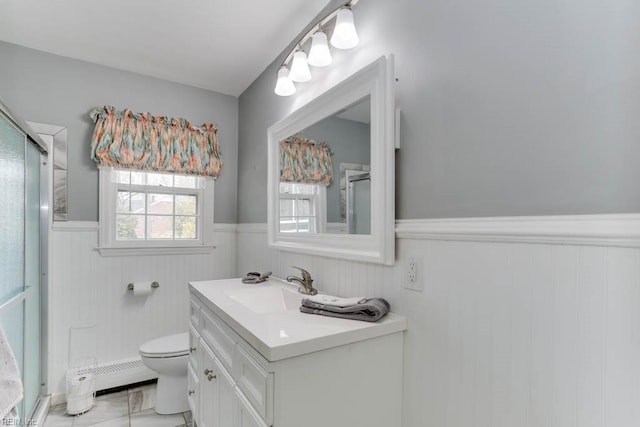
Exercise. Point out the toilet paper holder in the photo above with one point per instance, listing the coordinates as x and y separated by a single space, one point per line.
153 285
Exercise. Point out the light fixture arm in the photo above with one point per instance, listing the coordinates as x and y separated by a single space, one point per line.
314 29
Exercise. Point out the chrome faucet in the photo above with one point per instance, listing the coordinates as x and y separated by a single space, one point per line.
305 282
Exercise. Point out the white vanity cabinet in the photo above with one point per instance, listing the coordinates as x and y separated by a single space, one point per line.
231 384
215 397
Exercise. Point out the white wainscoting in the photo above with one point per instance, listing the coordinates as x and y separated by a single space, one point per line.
89 289
517 329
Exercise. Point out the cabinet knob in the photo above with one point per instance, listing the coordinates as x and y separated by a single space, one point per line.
192 349
209 374
192 392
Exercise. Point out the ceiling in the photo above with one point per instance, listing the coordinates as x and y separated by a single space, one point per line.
221 45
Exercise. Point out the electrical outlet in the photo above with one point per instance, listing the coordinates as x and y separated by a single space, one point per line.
412 274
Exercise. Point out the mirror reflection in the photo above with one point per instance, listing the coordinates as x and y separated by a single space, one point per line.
325 174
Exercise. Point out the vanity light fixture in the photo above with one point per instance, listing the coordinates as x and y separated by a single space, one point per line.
344 36
300 67
284 85
319 55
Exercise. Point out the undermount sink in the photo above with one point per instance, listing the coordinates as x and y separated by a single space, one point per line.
266 299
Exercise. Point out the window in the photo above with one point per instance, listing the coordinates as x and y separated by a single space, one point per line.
160 211
302 208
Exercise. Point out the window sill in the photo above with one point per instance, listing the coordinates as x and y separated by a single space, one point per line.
159 250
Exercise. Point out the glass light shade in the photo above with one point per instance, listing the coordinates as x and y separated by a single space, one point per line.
284 85
300 68
344 34
319 55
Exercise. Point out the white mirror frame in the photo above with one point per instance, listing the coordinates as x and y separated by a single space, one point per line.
376 81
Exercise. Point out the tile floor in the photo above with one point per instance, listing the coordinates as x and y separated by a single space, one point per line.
128 408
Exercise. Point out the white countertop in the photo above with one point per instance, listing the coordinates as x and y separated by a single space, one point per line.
287 333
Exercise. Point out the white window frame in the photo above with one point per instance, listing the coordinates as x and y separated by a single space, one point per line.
109 245
319 206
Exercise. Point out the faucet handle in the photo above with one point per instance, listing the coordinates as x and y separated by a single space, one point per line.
306 276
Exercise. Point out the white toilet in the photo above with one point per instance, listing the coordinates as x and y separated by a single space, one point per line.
168 356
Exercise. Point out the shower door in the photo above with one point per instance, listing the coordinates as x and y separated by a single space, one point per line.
358 202
21 255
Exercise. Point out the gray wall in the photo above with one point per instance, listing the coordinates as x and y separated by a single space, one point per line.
51 89
349 142
510 107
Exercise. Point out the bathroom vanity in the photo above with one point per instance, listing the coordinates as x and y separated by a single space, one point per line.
256 361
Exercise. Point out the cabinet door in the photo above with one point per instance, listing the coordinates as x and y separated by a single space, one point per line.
193 387
217 391
245 415
226 396
208 394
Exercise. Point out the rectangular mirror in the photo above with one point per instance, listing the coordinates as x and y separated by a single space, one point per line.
331 171
325 202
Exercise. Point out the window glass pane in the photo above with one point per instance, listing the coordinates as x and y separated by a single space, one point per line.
130 227
160 179
130 202
123 177
160 227
160 203
286 207
304 207
183 181
138 178
186 205
304 225
185 227
288 225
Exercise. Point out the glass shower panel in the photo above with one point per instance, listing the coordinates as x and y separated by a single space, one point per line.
11 319
12 171
31 373
21 225
362 206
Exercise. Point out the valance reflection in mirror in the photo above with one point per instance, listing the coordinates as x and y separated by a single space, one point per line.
325 174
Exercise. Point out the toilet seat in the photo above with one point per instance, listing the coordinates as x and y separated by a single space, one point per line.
169 346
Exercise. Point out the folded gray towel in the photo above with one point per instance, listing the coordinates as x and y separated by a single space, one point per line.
255 277
369 310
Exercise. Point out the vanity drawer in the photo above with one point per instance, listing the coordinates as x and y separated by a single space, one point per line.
256 383
219 337
246 415
194 311
194 347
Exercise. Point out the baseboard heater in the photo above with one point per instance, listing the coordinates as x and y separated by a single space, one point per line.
118 373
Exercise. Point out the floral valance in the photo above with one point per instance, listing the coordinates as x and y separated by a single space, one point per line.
125 139
305 161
